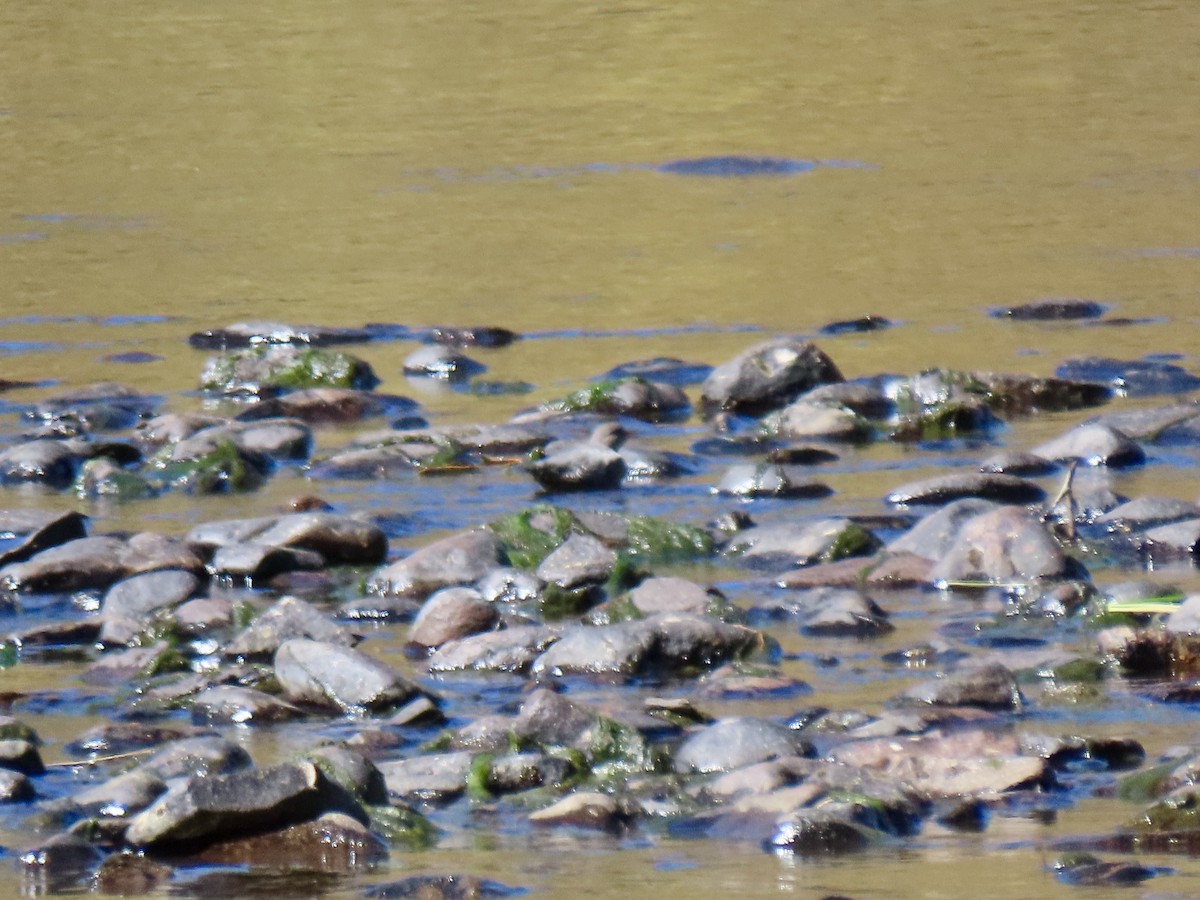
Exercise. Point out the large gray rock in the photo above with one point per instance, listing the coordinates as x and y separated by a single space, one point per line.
287 618
30 531
338 538
328 674
578 466
452 613
984 485
988 687
1093 445
936 533
800 543
733 743
1007 544
97 562
280 439
47 462
670 594
459 559
229 704
218 806
809 419
511 649
434 777
127 603
767 375
770 480
579 560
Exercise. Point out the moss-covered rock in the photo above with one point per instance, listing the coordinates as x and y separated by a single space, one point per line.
226 469
526 538
654 540
264 368
633 396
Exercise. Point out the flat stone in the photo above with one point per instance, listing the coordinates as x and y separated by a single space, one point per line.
337 538
580 466
122 795
284 620
435 777
769 374
456 560
49 462
452 613
670 594
1006 544
230 704
732 743
511 649
768 480
331 844
987 687
327 674
1093 445
1147 512
127 603
1178 540
944 488
579 560
936 533
29 531
582 809
800 543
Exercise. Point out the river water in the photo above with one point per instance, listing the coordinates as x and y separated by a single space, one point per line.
172 166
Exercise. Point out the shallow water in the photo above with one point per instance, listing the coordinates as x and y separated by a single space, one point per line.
172 167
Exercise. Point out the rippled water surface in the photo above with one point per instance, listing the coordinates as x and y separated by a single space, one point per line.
616 181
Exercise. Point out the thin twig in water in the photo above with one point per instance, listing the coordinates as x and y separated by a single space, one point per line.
91 761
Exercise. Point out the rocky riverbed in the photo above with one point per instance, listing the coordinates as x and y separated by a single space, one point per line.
644 609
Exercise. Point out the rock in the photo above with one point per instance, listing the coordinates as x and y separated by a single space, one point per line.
1056 309
987 687
90 562
436 777
332 843
801 543
633 397
549 719
578 467
459 559
509 586
582 809
942 489
196 756
229 704
1147 512
1006 544
326 674
127 603
1146 424
441 887
352 772
810 419
265 368
1132 378
826 830
1093 445
1178 540
663 369
60 863
512 772
129 875
337 538
279 439
286 619
767 375
733 743
28 532
1020 395
226 468
472 336
670 594
115 738
1088 871
217 806
845 613
580 560
251 334
15 787
935 534
327 406
441 362
1018 462
123 795
768 480
47 462
21 755
512 649
255 563
861 325
104 406
452 613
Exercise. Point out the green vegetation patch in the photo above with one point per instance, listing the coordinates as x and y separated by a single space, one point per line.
528 537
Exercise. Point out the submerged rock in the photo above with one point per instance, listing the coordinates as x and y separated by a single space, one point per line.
274 367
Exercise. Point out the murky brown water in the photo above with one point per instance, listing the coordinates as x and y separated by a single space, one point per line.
171 166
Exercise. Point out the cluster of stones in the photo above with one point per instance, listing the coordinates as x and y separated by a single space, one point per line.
257 622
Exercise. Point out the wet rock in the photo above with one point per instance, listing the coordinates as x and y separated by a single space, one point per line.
441 887
438 361
90 562
380 608
845 613
352 772
861 325
230 704
665 370
197 756
582 809
670 594
513 772
26 532
1086 870
801 543
113 738
452 613
251 334
227 468
1018 462
58 864
253 800
490 336
331 843
127 604
1053 309
1147 512
1132 378
1093 445
580 560
512 650
732 743
826 830
326 674
934 535
1178 540
578 467
987 687
634 397
1006 544
267 368
768 375
257 563
286 619
942 489
278 439
509 586
809 419
337 538
435 777
104 406
768 480
123 795
21 755
1146 424
327 406
459 559
549 719
15 787
130 875
47 462
1019 394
